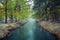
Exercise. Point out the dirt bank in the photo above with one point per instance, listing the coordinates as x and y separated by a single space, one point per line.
51 27
6 28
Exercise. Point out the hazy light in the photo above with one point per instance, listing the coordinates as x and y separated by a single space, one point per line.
1 4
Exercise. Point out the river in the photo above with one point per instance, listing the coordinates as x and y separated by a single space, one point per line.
30 31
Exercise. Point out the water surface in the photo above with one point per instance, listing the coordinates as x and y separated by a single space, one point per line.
30 31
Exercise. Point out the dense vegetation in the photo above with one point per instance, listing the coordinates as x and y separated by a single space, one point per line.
14 10
18 10
47 10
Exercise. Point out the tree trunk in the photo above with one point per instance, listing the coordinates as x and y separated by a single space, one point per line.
55 15
6 11
11 17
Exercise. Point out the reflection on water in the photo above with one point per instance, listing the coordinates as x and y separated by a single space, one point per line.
30 31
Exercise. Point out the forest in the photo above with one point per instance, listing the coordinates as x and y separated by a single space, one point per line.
14 10
18 10
48 10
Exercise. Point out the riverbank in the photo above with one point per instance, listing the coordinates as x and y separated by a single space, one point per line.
5 29
51 27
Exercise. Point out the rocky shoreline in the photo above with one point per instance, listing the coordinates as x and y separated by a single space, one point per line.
53 28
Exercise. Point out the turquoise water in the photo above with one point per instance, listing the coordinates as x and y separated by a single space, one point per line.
30 31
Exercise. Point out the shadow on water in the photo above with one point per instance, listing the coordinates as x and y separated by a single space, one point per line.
30 31
42 34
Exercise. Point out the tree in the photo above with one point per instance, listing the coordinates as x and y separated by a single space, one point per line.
16 9
47 9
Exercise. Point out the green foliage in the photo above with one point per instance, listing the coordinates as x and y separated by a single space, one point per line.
18 8
47 9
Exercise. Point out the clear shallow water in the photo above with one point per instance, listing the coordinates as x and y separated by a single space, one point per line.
30 31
